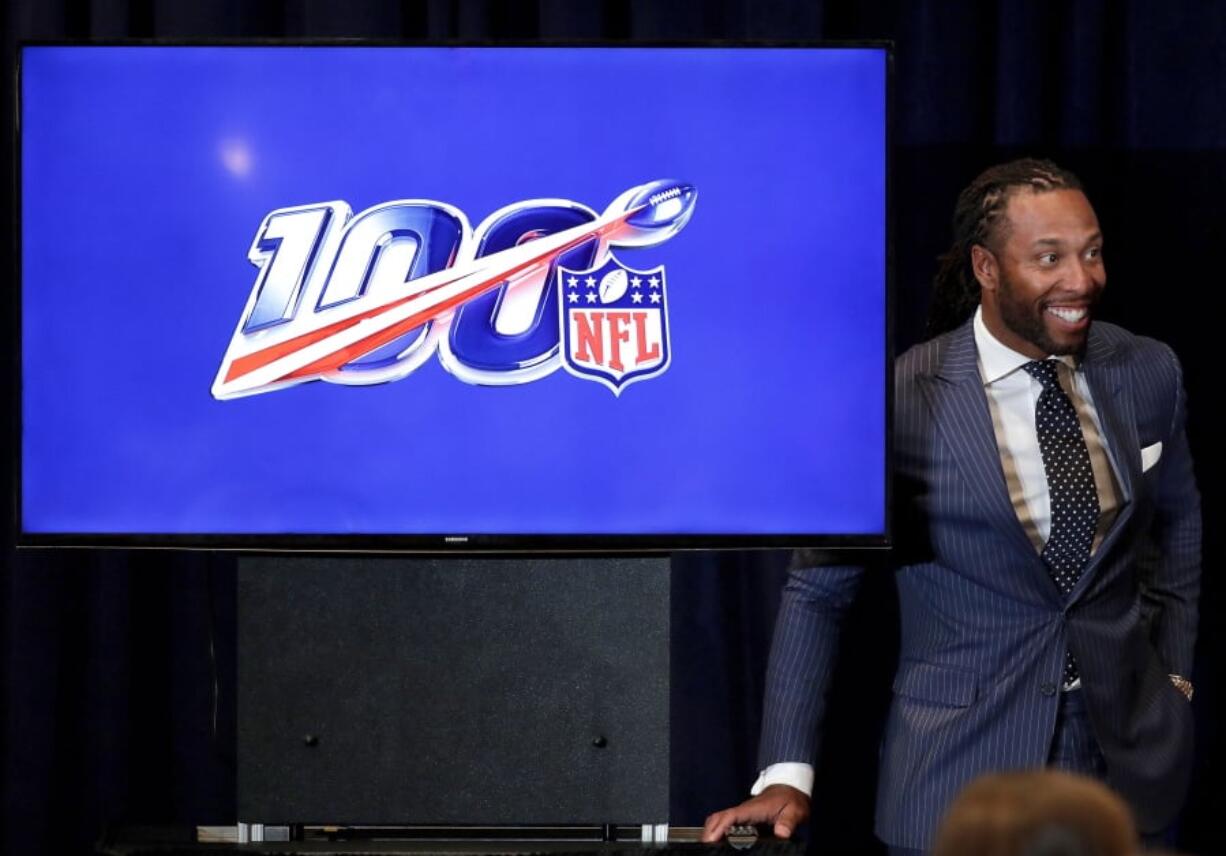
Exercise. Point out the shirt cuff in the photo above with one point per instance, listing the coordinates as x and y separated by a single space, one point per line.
793 773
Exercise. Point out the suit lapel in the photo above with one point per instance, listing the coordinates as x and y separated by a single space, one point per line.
1113 402
960 410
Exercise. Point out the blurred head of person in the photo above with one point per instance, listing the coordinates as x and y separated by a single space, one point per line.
1037 813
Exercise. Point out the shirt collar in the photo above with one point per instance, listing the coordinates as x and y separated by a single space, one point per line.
996 359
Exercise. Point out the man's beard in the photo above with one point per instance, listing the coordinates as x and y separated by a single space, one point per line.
1027 321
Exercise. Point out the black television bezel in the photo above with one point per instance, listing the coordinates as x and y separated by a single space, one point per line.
509 544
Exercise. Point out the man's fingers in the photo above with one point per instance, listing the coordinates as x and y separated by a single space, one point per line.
728 819
790 815
716 825
782 806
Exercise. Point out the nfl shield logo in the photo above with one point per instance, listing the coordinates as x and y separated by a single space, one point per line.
613 323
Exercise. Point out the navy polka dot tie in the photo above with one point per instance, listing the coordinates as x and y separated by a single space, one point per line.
1070 484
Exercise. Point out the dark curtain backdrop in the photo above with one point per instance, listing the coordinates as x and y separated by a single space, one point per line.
118 667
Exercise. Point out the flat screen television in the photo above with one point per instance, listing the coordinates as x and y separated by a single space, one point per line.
321 296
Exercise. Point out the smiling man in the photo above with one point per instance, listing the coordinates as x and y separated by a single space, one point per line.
1048 540
1043 273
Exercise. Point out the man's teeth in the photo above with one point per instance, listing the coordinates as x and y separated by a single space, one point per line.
1072 315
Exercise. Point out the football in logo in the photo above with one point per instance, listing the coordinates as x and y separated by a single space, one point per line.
613 285
659 208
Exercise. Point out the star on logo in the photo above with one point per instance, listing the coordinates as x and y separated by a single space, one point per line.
654 282
591 297
636 298
591 282
636 281
573 281
655 297
573 297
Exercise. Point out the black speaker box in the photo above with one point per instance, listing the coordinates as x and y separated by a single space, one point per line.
453 691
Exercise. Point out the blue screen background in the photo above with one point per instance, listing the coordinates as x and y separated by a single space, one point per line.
147 170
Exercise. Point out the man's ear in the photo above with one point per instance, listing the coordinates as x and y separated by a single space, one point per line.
984 265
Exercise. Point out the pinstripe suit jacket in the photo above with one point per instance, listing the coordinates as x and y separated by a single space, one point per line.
984 628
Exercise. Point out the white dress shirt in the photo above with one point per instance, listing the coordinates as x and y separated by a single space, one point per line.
1012 397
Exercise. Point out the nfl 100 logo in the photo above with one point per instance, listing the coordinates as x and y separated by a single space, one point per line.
535 287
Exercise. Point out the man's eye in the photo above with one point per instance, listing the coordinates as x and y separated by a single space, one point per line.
1094 253
1048 259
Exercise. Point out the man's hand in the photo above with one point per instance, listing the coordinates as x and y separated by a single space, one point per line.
781 805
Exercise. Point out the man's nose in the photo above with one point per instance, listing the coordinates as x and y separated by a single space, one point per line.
1088 275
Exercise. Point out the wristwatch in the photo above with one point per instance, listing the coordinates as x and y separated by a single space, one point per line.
1183 685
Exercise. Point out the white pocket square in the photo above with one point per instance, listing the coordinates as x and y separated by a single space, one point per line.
1150 456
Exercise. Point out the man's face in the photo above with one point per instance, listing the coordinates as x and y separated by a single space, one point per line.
1049 273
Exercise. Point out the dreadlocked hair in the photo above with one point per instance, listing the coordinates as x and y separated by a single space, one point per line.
977 216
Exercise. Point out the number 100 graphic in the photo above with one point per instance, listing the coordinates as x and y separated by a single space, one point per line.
369 298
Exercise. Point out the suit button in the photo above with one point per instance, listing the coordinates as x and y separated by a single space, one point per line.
1048 689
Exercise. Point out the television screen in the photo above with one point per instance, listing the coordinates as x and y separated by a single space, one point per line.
453 297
